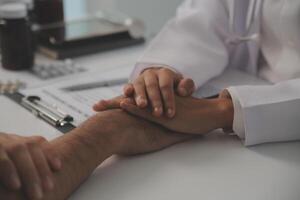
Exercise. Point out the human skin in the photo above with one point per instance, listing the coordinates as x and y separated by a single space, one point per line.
156 87
24 164
103 135
193 116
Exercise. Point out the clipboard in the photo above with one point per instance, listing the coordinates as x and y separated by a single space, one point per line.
44 111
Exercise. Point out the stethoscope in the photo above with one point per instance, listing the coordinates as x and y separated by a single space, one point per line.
254 13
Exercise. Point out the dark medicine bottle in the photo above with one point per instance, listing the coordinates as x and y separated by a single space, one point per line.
49 11
16 37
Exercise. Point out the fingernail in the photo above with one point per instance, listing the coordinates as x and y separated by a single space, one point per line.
49 183
141 101
183 91
15 181
157 111
170 112
37 191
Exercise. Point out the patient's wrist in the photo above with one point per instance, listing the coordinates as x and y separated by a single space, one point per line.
225 113
99 136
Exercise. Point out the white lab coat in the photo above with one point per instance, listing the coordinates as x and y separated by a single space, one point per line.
208 36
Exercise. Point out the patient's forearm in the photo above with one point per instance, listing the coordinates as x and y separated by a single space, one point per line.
79 156
79 160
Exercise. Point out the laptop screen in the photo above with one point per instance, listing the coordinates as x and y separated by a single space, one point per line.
77 9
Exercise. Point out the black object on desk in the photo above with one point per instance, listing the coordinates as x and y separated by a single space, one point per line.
66 40
16 37
87 46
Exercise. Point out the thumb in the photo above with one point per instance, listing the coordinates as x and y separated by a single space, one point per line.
186 87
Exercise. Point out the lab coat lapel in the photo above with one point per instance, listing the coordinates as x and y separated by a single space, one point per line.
254 27
245 16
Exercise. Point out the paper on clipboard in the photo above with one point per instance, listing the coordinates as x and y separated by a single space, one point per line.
79 104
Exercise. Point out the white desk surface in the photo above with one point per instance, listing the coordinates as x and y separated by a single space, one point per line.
216 167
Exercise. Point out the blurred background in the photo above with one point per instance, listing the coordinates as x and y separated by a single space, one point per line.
60 30
154 13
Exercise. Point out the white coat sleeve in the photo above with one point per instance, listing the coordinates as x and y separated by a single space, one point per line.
192 43
264 114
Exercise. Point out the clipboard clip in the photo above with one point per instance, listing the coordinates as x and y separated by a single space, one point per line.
43 110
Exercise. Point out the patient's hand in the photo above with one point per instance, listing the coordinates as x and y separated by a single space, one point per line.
26 164
194 116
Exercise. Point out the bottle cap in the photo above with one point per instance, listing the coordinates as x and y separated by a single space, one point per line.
29 3
13 11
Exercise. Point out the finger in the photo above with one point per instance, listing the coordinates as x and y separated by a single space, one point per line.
186 87
53 159
42 166
26 170
8 173
153 92
110 104
166 84
104 105
177 78
136 111
128 90
140 92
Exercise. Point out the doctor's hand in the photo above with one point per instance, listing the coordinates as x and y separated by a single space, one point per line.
26 164
194 116
156 88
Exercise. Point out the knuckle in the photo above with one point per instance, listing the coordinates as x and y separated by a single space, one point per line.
153 69
166 87
138 82
152 85
165 70
148 72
